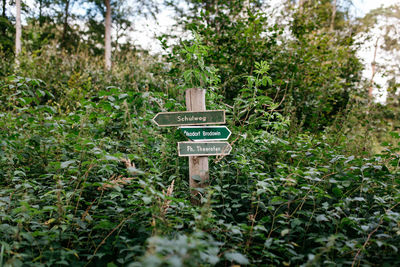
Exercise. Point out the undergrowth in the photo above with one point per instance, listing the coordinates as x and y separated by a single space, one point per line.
86 179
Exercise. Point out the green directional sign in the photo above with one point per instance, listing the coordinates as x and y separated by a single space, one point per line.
188 149
199 133
190 118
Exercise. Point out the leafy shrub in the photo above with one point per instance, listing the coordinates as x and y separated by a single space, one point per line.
87 179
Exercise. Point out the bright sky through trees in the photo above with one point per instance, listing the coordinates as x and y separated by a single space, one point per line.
146 29
363 6
368 48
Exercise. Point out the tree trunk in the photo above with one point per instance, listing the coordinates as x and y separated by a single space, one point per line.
40 12
373 69
107 41
3 30
65 24
4 9
18 29
333 15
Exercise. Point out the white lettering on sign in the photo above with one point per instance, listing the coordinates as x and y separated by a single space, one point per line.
191 118
191 149
211 133
208 149
188 134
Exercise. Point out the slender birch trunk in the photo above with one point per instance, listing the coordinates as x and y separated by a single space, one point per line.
18 30
332 26
107 41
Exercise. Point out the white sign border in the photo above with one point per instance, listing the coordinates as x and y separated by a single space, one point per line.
205 140
205 155
198 123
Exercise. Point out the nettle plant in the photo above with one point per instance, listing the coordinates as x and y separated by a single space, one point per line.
195 73
254 108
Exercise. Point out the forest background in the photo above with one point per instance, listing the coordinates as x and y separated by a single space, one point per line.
86 178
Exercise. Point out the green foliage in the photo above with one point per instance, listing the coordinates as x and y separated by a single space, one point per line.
99 184
324 72
196 74
7 36
69 161
69 78
86 178
314 69
195 250
235 39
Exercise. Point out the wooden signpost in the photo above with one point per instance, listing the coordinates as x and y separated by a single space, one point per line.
203 138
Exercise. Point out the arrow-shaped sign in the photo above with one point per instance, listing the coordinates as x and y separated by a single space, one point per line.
190 118
189 149
199 133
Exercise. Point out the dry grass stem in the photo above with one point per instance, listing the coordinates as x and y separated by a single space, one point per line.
115 181
128 163
165 205
119 180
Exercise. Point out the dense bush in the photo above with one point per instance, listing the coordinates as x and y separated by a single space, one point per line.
315 70
100 184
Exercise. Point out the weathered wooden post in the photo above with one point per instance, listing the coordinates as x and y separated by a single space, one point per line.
198 166
203 141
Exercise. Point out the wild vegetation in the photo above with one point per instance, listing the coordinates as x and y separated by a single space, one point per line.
87 179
